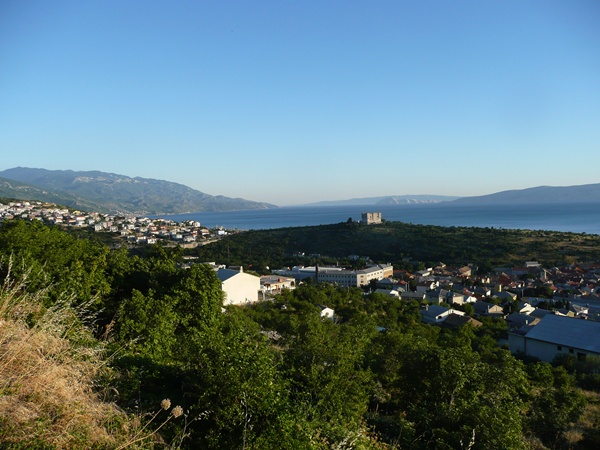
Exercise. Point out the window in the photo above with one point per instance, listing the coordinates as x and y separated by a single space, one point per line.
559 347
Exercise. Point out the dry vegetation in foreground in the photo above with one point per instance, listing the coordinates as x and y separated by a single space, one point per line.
47 373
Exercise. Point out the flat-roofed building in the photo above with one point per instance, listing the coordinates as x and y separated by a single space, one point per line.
340 276
275 283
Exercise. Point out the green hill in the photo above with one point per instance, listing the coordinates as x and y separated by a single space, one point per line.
397 241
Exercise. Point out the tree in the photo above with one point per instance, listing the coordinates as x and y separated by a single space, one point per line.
236 389
554 403
325 366
447 397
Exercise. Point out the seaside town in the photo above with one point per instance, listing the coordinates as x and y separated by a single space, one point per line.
300 225
548 311
132 230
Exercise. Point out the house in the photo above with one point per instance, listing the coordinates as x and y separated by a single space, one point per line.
436 296
506 296
409 295
488 309
326 312
455 298
517 320
464 272
457 321
557 335
435 314
483 291
425 286
240 288
524 308
468 298
389 292
275 283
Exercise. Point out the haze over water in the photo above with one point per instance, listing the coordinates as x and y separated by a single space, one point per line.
578 218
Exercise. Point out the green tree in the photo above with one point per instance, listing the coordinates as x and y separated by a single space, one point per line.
325 365
448 397
554 404
238 393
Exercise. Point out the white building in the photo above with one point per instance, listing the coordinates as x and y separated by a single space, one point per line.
326 312
339 275
240 288
435 314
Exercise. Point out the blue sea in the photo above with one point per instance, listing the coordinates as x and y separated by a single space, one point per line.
578 218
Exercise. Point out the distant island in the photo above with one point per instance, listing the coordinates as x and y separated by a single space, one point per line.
586 193
387 200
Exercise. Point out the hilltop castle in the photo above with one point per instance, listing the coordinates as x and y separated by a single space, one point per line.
371 217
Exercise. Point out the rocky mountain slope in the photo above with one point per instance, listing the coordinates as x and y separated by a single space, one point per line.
113 193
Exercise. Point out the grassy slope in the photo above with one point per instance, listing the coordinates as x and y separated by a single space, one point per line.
48 370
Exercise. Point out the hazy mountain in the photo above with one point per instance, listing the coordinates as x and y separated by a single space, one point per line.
586 193
388 200
11 189
118 194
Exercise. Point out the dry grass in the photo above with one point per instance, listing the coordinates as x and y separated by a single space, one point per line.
47 368
588 423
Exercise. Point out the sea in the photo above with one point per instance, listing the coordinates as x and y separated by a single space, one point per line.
574 217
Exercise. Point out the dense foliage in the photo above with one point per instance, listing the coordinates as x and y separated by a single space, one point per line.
277 375
398 242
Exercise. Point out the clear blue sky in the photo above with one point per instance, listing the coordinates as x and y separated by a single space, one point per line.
295 102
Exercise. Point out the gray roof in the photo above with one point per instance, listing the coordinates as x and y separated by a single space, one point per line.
576 333
538 312
434 310
225 274
519 319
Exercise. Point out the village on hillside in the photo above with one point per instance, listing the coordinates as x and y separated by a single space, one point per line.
131 229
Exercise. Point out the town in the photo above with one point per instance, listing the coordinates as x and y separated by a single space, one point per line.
131 229
180 294
548 311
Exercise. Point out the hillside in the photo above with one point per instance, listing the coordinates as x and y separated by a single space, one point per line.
164 364
397 241
11 189
113 193
586 193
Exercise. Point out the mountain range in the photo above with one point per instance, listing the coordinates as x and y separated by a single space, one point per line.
112 193
120 194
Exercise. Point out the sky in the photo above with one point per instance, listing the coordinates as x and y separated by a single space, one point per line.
297 102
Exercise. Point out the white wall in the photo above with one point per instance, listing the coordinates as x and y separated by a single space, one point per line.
241 288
